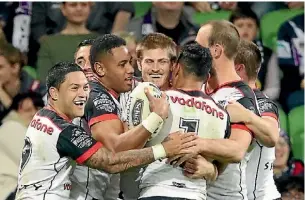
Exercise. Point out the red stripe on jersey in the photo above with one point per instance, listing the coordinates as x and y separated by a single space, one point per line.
81 159
270 114
101 118
242 127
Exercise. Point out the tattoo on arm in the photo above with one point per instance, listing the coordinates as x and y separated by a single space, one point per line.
117 162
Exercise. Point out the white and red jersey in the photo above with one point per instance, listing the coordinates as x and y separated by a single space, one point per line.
52 142
231 184
260 182
190 111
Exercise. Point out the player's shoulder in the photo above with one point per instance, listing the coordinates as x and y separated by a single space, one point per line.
99 97
235 89
48 120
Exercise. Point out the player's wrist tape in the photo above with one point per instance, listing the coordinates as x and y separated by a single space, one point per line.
152 122
158 151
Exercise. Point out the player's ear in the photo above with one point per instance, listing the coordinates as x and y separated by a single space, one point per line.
216 51
53 92
99 69
239 67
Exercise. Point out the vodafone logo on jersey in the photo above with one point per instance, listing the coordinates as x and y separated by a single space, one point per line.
202 105
40 126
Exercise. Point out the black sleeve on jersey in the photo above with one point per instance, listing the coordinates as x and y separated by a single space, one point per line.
100 107
268 108
228 129
74 142
250 105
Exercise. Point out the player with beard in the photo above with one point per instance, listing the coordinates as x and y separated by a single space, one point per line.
111 64
224 85
52 141
260 182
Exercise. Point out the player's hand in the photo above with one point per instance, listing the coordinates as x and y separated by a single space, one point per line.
177 142
237 112
185 155
198 167
158 105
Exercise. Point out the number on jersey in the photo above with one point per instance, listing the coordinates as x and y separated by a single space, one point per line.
189 125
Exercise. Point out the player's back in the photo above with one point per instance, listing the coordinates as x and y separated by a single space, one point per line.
259 172
190 111
231 183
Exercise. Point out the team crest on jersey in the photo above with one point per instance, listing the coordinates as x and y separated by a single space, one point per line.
137 111
26 153
80 138
103 102
264 106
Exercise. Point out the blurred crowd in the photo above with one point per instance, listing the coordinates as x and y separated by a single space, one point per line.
34 36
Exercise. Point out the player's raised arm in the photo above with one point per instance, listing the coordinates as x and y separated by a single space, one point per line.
265 128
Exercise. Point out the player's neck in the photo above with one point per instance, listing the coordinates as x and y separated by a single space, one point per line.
189 84
252 84
226 73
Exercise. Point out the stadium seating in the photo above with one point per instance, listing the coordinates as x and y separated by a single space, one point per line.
297 142
141 8
296 120
271 22
296 131
31 71
201 18
283 119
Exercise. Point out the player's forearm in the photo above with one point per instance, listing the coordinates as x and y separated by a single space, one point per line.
222 150
118 162
132 139
265 132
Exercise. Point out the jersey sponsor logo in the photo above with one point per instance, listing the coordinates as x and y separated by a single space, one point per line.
26 153
201 105
80 138
103 102
137 111
40 126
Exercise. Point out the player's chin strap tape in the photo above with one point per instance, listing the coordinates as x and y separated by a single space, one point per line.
152 123
159 151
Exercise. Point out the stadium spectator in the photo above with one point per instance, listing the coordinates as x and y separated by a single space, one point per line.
292 188
284 165
105 17
60 47
12 133
247 24
169 18
13 79
290 53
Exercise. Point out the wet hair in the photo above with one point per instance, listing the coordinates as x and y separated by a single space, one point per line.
57 74
103 45
196 60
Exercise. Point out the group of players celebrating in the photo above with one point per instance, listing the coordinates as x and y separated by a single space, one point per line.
218 131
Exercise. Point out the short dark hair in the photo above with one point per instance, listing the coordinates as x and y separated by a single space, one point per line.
57 74
35 97
249 55
196 60
242 14
104 44
84 43
225 33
